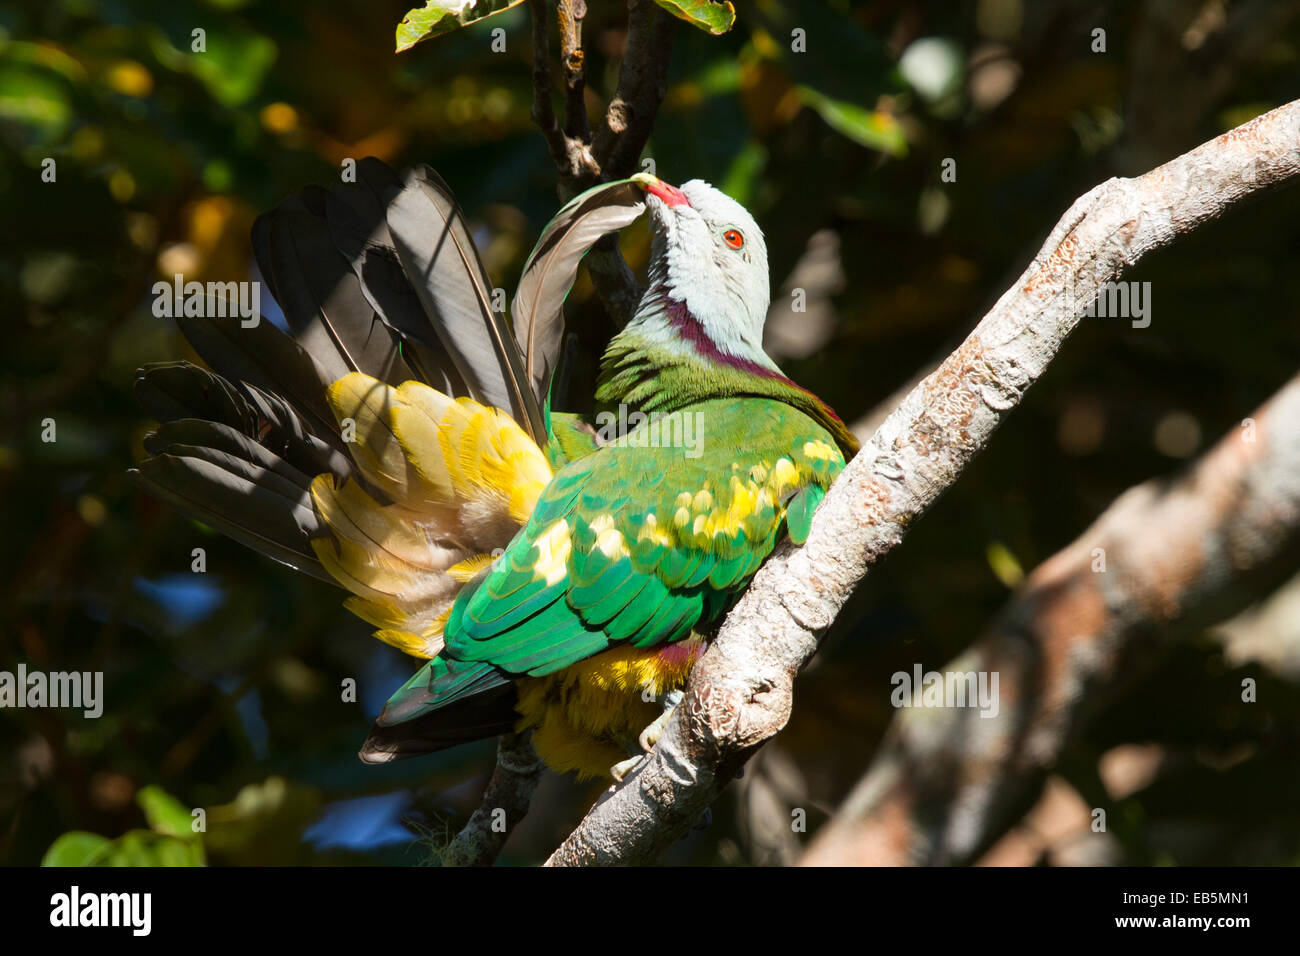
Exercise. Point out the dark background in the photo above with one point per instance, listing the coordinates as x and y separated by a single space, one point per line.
223 688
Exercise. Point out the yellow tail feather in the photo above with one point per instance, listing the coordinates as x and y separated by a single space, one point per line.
460 479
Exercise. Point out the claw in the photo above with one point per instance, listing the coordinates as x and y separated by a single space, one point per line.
650 736
625 767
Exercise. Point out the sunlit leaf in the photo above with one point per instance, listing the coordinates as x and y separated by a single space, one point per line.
715 18
1004 564
437 17
146 848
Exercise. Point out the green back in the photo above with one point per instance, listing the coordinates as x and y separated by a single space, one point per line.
635 543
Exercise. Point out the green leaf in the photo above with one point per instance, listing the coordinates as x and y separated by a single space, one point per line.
164 812
146 848
135 848
437 17
35 99
870 128
75 848
232 65
172 851
715 18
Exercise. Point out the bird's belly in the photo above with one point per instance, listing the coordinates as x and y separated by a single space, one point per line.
587 717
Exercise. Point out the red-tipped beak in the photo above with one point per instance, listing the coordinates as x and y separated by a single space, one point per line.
657 187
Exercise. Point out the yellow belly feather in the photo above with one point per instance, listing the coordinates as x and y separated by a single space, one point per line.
586 717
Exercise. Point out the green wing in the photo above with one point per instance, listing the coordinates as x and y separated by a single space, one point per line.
638 542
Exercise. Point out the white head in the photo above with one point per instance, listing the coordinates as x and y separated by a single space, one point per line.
709 253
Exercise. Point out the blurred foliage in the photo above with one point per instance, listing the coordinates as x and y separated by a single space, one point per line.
224 690
169 840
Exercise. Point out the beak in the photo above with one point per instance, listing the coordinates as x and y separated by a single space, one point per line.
671 195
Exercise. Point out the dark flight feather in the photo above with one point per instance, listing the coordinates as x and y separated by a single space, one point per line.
323 303
357 217
251 504
552 268
438 254
263 356
235 458
485 714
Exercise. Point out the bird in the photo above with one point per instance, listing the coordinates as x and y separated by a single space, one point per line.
557 578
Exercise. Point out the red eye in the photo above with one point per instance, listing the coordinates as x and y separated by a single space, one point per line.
732 238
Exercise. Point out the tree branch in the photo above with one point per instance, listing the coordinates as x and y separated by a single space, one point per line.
642 83
567 153
570 14
947 783
505 803
739 693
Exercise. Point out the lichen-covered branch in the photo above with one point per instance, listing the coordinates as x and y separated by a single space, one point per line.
1165 556
740 692
505 803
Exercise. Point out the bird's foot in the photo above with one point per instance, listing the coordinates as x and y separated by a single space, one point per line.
625 767
648 738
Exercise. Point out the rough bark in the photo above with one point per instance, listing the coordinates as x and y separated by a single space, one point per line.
739 693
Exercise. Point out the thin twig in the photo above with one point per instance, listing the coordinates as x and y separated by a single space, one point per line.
543 109
570 14
624 130
505 803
